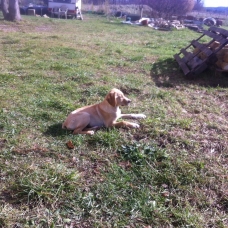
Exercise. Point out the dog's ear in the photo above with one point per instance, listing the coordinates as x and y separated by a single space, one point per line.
111 98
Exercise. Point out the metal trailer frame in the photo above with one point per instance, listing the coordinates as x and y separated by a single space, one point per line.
190 63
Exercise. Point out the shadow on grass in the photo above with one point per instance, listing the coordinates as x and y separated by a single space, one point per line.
166 73
56 130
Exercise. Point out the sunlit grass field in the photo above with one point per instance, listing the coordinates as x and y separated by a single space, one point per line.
171 172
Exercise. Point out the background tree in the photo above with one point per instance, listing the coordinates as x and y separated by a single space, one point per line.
161 8
167 8
11 10
198 5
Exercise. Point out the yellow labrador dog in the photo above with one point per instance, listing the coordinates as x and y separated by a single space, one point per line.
89 118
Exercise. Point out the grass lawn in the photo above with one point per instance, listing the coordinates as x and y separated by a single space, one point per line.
172 172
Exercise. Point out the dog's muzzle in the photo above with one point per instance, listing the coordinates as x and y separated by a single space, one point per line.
128 102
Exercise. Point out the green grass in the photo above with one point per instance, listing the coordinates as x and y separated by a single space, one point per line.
172 172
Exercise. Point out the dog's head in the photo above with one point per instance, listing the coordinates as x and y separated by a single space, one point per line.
116 98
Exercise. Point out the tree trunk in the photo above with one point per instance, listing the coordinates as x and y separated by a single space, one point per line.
14 11
4 7
11 12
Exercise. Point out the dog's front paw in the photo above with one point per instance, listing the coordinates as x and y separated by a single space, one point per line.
140 116
90 132
135 125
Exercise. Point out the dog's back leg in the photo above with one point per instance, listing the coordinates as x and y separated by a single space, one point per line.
88 131
84 131
132 116
125 124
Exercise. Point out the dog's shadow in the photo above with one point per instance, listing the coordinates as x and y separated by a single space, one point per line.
56 130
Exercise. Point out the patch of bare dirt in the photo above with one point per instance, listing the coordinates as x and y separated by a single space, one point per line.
7 28
121 70
19 28
127 90
43 28
2 143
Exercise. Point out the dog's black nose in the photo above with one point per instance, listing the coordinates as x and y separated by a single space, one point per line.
129 101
